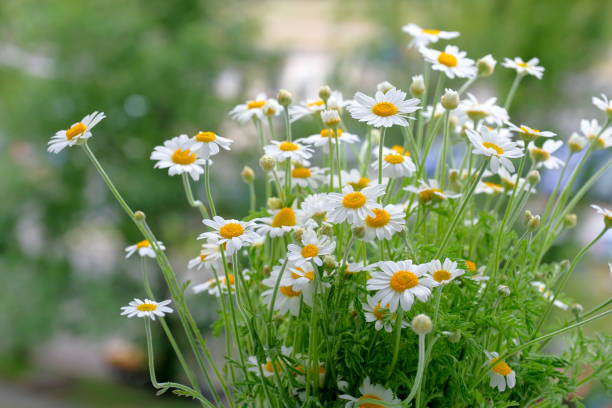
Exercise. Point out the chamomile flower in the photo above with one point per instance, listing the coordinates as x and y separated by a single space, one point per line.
298 277
486 111
590 129
210 257
541 287
424 36
272 108
354 179
233 234
607 214
380 315
322 138
442 273
279 223
337 102
252 109
430 191
385 109
305 177
268 368
353 206
398 283
214 289
500 373
528 134
488 187
396 165
77 132
309 108
369 391
315 207
385 222
180 155
488 142
295 151
143 248
508 181
523 68
312 249
604 104
451 61
209 143
543 155
288 298
146 308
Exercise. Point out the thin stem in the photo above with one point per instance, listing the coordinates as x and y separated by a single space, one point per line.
189 193
515 84
210 199
416 386
338 165
397 331
380 153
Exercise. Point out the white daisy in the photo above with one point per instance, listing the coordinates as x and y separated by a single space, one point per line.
208 143
543 155
353 206
509 181
312 249
385 109
488 142
369 391
322 138
144 248
233 234
253 109
430 191
272 108
424 36
295 151
308 108
590 129
398 283
486 111
305 177
527 133
396 165
315 207
180 155
337 102
604 104
488 187
500 372
268 368
386 222
146 308
214 289
278 224
451 61
77 132
523 68
298 277
380 315
607 214
541 287
354 179
210 257
442 273
287 297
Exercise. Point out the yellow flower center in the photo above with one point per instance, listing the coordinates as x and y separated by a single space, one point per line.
447 59
284 218
316 103
441 275
379 314
430 31
394 158
494 186
370 405
307 275
381 218
301 172
354 200
489 145
142 244
325 133
427 195
288 147
183 156
146 307
203 257
231 230
470 265
501 368
289 292
230 277
384 109
310 251
206 137
362 183
402 280
269 367
255 104
522 64
398 149
539 154
528 131
75 130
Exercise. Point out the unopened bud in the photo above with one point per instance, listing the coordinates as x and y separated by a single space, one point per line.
266 270
329 261
533 223
274 203
486 65
319 217
267 163
577 309
330 118
375 136
359 231
503 290
421 324
453 176
528 216
327 229
139 216
450 100
247 174
454 337
385 86
576 143
284 97
570 220
417 87
297 234
533 177
324 92
565 265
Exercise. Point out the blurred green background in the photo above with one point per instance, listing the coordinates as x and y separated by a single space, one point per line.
159 68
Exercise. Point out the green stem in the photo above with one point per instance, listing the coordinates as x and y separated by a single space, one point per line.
338 165
515 84
380 154
397 331
189 193
210 199
416 386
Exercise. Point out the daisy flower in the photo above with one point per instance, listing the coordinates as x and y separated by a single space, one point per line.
442 273
509 180
541 287
381 316
287 296
486 111
308 108
488 187
523 68
280 222
424 36
180 155
590 129
272 108
528 134
77 132
315 207
353 206
337 102
396 165
604 104
312 249
209 143
305 177
321 138
429 191
268 368
398 283
385 109
491 144
214 289
607 214
543 155
386 222
146 308
253 109
369 391
294 151
354 179
298 277
232 234
451 61
500 373
210 257
144 248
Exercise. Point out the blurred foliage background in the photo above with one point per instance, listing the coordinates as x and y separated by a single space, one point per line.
159 68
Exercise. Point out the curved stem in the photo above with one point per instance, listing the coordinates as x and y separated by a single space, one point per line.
416 387
210 199
189 193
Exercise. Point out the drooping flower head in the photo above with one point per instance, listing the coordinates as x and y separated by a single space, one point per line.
500 372
79 131
143 248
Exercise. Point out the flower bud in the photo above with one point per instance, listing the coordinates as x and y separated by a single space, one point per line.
528 216
486 65
385 86
503 290
327 229
450 100
454 337
319 217
577 309
247 174
267 163
324 92
274 203
576 143
538 154
533 223
266 270
421 324
375 135
330 118
284 97
565 265
417 87
297 234
533 177
329 262
570 220
359 231
139 216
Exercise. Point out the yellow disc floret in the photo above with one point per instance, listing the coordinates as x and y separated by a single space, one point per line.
368 404
284 218
231 230
206 137
394 158
255 104
75 130
310 251
380 219
183 157
384 109
289 292
355 199
447 59
301 172
489 145
325 133
441 275
501 368
288 147
402 280
146 307
142 244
